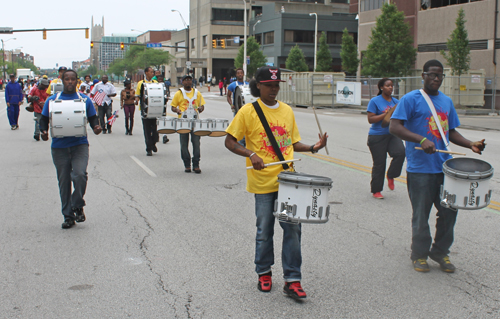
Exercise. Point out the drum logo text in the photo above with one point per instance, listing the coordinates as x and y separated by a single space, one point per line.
472 193
316 194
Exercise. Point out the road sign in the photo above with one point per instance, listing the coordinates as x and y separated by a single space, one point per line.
248 59
236 40
153 45
188 64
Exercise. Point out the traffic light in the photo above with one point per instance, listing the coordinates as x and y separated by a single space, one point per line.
86 33
91 44
44 32
122 46
223 43
214 44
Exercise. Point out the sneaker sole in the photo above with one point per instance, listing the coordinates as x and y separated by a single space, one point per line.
292 295
260 288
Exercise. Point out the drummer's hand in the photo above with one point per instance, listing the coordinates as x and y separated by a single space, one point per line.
97 129
322 142
478 147
257 162
428 147
44 135
201 108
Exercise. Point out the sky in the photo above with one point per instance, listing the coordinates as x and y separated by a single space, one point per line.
63 47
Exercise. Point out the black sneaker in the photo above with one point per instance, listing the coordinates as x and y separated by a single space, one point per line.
444 263
294 290
68 223
79 215
104 131
109 130
165 139
154 148
149 153
36 137
421 265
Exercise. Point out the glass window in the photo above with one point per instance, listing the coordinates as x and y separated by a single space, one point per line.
288 36
258 38
227 14
269 37
367 5
204 40
180 44
192 43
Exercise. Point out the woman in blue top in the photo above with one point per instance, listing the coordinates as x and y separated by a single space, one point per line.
381 142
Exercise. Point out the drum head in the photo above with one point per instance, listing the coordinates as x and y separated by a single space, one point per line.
238 98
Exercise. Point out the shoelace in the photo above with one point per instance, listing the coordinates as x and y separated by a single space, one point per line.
422 261
447 260
296 286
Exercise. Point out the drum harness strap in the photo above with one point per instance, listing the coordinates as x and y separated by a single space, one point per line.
436 118
190 100
269 133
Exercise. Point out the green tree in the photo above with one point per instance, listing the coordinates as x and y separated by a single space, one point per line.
257 58
296 60
391 51
323 56
458 56
349 54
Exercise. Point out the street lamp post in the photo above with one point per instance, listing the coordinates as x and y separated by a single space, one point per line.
258 21
3 54
187 40
245 42
315 38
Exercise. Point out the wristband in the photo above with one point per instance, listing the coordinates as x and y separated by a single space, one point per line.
251 155
312 150
423 140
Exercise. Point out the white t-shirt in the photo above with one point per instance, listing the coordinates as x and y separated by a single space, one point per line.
107 88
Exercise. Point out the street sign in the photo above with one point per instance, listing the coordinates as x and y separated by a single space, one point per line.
153 45
6 30
248 59
236 40
188 64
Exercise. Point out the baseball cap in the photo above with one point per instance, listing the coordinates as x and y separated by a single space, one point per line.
63 68
186 76
45 76
268 74
45 82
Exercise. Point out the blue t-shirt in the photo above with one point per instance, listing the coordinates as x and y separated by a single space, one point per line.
379 105
65 142
232 88
417 117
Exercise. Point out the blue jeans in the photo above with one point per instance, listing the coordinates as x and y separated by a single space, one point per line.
291 256
71 167
424 191
13 114
186 157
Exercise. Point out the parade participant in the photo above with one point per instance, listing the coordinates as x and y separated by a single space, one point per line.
38 96
225 86
62 69
263 182
149 125
221 85
161 79
127 99
184 97
381 142
13 97
1 84
86 86
105 105
232 87
70 154
414 122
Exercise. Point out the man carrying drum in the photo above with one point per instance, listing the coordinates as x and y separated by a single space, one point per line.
70 154
263 181
148 124
184 98
414 122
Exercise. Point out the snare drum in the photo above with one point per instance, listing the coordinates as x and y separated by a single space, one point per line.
466 183
183 126
219 127
67 118
202 127
302 198
166 125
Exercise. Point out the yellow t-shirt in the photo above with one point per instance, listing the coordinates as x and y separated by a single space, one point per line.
247 124
49 89
180 102
138 89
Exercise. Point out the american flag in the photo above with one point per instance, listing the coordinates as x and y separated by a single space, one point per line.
112 119
99 97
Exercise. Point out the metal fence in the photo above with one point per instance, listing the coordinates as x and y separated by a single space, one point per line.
473 92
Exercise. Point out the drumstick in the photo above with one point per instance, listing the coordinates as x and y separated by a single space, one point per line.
277 163
319 126
440 151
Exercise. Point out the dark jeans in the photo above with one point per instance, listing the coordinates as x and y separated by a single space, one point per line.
37 117
71 167
105 109
379 146
129 110
186 157
424 191
13 114
291 255
150 133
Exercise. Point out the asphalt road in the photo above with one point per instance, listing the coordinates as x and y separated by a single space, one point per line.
160 243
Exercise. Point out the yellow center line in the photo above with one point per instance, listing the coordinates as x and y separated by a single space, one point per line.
493 205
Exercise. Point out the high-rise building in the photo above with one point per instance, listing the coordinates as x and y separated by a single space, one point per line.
97 32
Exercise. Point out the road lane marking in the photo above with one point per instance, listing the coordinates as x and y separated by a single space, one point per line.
493 207
144 167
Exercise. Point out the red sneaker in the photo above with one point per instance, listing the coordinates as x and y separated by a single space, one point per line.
390 183
265 282
294 290
378 195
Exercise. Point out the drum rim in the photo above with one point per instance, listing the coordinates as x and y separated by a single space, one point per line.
315 180
452 172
